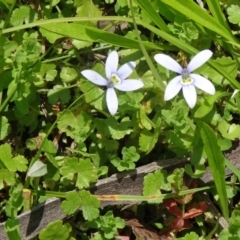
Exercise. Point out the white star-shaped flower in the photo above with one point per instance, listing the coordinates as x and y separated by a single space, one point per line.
116 78
186 81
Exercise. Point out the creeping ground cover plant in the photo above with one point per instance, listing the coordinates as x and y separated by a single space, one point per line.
119 119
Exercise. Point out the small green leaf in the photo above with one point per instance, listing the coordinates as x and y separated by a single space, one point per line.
68 74
233 12
84 200
153 182
32 143
226 63
130 156
5 127
56 230
189 236
78 127
48 147
89 9
85 170
110 127
208 104
233 232
24 14
18 163
90 205
108 224
6 177
15 201
176 179
229 131
22 106
50 75
72 203
58 93
12 229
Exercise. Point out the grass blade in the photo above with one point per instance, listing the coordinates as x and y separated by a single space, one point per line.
216 163
147 7
199 15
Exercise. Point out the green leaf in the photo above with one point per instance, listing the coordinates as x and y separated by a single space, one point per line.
91 34
189 236
48 147
6 177
84 200
229 131
193 11
111 128
176 179
108 224
90 205
226 63
12 229
78 126
5 127
58 93
50 75
148 140
68 74
145 140
153 182
56 230
233 232
85 170
108 144
89 9
208 104
24 14
15 201
17 163
22 106
216 163
130 156
94 95
233 12
72 203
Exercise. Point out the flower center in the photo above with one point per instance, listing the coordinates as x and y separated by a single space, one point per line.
114 80
186 79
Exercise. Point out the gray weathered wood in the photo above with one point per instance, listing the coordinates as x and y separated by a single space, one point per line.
128 183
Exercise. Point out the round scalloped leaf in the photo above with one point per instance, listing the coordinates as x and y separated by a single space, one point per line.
56 230
68 74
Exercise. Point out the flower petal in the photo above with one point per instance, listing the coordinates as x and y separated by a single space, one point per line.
112 100
126 69
168 62
173 88
199 59
203 83
94 77
129 85
111 64
190 95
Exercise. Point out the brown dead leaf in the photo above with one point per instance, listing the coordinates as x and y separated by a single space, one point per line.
145 232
